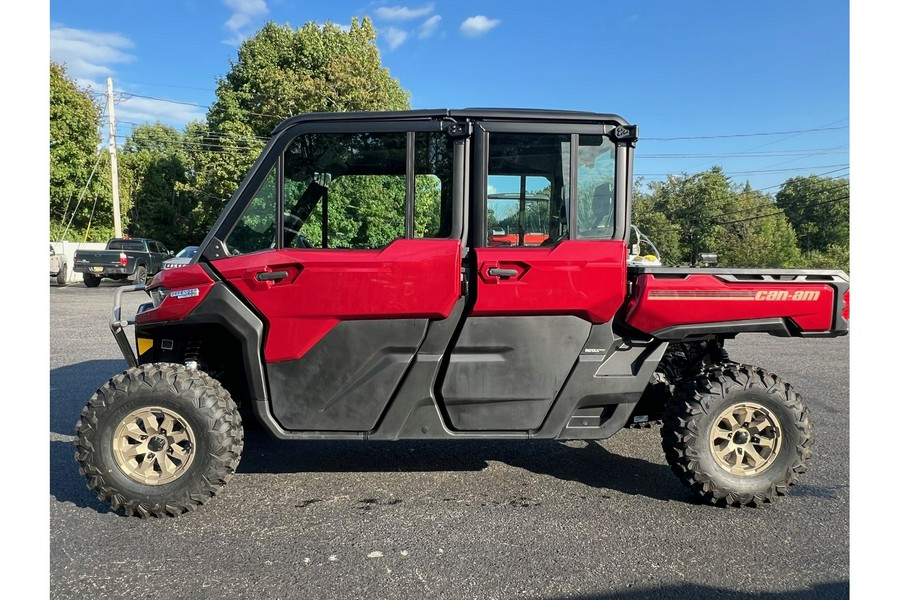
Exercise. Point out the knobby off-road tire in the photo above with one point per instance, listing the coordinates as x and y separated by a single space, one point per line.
90 280
159 439
737 436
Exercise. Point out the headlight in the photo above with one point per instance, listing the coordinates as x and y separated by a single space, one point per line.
158 294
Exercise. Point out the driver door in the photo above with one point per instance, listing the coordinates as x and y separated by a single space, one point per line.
348 246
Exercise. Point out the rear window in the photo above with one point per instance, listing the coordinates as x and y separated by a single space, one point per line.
125 245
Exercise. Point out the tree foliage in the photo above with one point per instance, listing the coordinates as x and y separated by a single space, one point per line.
154 156
279 72
819 210
689 214
80 201
282 71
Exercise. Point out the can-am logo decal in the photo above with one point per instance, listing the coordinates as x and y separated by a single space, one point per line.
785 295
190 293
766 295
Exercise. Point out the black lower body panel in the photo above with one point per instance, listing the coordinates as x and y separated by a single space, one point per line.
505 372
346 380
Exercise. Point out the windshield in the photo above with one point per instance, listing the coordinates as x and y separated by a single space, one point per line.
188 252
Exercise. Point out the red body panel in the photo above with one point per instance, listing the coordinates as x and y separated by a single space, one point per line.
582 278
661 302
407 279
176 307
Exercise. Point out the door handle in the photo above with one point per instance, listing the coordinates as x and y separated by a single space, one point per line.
271 275
498 272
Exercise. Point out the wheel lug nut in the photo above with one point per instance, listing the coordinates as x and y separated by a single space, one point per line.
143 437
149 456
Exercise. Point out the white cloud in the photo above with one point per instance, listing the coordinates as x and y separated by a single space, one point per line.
403 13
427 29
476 26
243 14
395 37
88 55
131 109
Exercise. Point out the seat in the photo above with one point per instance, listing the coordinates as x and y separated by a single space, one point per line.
601 213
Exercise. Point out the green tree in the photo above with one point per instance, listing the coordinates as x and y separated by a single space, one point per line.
819 210
688 205
756 233
80 201
161 205
283 71
688 214
279 72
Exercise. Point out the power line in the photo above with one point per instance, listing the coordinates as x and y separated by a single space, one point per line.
128 96
778 212
785 205
742 135
769 154
845 165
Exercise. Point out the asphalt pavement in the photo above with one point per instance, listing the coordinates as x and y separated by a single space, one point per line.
468 520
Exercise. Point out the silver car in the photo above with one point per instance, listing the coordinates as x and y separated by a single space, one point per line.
181 259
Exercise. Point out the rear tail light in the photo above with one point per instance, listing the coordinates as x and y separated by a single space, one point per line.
846 311
123 259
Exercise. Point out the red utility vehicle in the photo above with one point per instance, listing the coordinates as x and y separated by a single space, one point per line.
447 274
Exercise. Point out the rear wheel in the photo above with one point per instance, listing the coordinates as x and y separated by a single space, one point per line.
737 436
63 274
158 440
91 280
140 275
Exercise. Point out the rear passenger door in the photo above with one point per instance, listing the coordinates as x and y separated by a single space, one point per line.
550 258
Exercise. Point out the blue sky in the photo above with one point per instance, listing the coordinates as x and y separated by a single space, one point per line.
716 72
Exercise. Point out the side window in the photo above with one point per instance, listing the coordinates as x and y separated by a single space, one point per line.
256 229
596 188
434 176
345 190
528 186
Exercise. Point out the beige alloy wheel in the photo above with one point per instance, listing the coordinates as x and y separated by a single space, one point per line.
153 445
745 439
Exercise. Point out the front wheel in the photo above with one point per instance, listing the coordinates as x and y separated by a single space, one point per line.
159 439
737 436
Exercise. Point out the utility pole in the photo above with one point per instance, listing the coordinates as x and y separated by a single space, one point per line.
113 163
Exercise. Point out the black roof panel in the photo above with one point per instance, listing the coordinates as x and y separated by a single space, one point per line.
472 114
